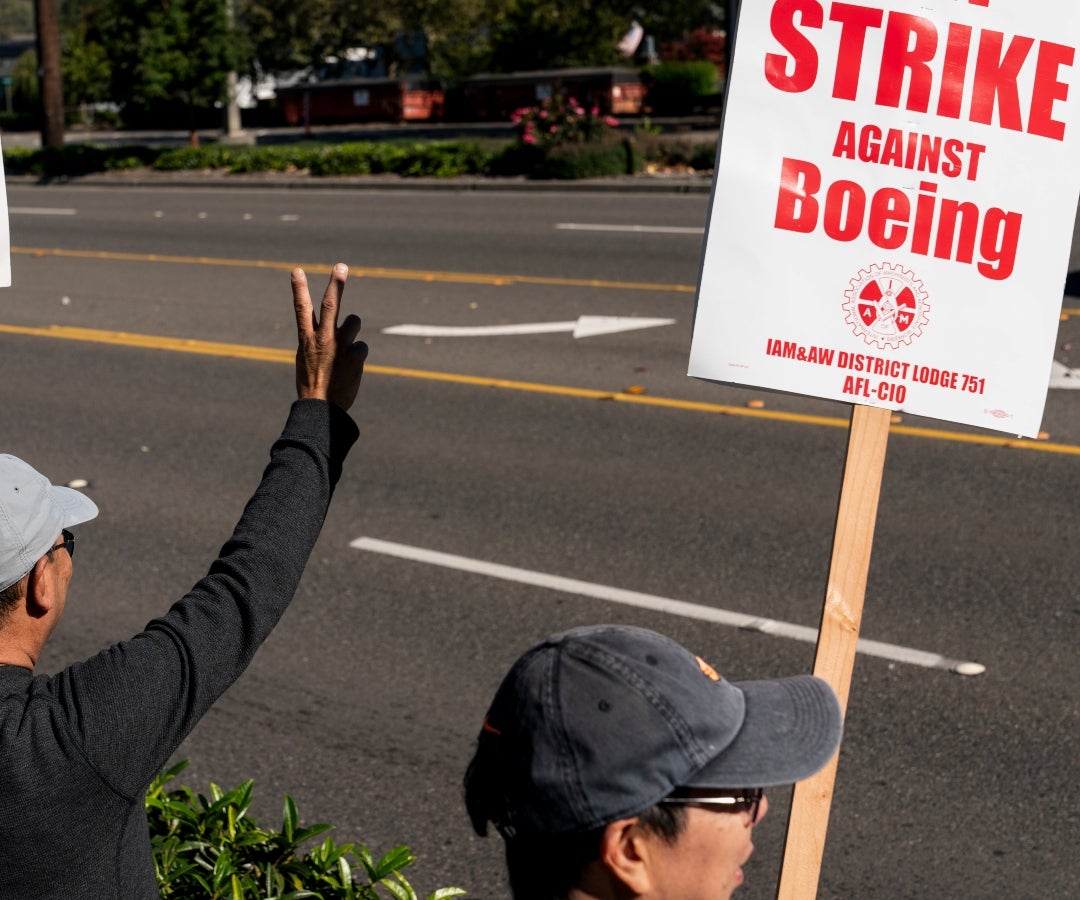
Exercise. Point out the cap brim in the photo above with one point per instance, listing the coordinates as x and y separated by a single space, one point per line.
77 507
791 729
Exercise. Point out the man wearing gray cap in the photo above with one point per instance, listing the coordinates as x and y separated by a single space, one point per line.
616 764
79 748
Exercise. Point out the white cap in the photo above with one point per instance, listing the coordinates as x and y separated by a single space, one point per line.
33 512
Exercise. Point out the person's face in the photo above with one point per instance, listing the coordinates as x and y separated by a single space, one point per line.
705 861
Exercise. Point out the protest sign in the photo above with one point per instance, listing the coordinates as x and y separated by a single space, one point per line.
890 225
893 205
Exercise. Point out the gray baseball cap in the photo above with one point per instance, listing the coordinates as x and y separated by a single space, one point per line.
600 723
33 512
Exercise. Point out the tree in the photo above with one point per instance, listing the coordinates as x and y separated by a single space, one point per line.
542 34
16 18
670 20
86 68
169 52
284 35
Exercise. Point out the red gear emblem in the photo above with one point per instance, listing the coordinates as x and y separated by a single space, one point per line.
886 305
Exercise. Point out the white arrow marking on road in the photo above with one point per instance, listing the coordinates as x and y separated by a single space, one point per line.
637 229
583 326
1062 377
660 604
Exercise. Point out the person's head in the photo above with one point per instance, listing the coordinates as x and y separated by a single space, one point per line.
35 545
615 763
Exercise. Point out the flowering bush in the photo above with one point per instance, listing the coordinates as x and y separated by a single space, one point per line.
561 120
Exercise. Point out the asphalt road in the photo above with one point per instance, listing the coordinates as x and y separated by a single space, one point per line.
365 702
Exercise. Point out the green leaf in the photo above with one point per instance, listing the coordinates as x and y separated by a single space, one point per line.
400 890
446 892
289 818
311 831
392 860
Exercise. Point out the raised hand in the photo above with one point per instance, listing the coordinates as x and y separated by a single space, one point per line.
329 358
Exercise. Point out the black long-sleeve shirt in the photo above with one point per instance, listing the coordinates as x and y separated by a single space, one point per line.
78 749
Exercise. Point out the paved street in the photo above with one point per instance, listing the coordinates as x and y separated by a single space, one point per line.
590 458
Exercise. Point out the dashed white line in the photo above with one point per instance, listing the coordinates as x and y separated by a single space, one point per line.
667 605
40 211
637 229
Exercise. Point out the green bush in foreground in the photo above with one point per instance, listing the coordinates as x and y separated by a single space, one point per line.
209 848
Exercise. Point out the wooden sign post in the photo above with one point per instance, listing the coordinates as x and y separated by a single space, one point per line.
838 636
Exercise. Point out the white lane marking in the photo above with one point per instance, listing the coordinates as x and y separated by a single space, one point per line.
1064 377
636 229
583 326
40 211
659 604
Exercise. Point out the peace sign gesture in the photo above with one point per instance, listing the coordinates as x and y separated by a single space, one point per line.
329 358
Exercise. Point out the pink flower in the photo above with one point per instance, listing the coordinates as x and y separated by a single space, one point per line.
528 138
543 114
515 118
596 110
579 110
553 129
611 120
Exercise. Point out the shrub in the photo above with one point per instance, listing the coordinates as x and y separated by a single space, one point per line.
22 161
76 159
675 88
696 155
516 159
209 848
561 120
210 156
612 156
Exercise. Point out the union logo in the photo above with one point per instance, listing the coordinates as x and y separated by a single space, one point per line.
886 305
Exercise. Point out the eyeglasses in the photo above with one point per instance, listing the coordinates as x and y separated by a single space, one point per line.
68 543
735 800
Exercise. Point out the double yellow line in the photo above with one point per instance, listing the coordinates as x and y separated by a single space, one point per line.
362 271
271 354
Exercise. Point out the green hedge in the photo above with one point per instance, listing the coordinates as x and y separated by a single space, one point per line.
612 154
210 848
77 159
676 88
590 160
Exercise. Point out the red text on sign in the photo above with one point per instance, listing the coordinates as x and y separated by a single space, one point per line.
920 66
908 150
947 229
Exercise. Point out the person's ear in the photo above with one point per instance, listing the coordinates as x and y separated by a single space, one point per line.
39 594
625 853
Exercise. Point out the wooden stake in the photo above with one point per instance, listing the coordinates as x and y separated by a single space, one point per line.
839 633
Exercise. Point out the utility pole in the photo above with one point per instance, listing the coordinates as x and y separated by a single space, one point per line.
233 127
47 19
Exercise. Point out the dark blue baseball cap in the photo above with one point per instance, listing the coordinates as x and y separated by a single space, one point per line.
600 723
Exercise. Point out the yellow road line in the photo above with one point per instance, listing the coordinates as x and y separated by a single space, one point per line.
271 354
362 271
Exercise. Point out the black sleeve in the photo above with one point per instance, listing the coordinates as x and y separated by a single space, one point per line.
130 706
